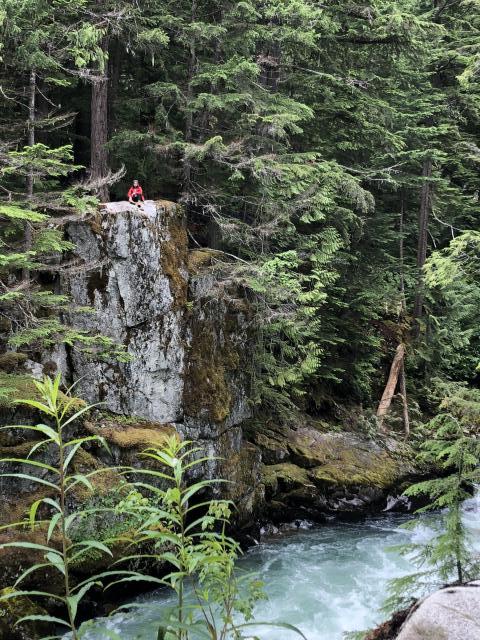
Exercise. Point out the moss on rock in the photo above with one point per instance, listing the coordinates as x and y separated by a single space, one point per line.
173 258
15 386
11 360
198 259
323 471
131 433
285 474
12 609
207 388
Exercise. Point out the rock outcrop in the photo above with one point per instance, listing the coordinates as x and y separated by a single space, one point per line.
185 339
309 471
135 278
186 334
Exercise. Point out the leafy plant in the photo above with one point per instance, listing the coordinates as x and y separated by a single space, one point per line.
189 534
50 518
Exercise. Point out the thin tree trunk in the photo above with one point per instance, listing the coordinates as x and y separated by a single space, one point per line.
424 214
403 394
401 255
99 132
192 63
32 92
403 310
114 62
391 385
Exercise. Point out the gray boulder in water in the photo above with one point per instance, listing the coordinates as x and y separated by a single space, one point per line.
449 614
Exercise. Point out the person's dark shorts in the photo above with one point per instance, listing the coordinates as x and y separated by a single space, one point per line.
136 198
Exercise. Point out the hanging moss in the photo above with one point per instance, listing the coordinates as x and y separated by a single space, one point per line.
209 362
174 256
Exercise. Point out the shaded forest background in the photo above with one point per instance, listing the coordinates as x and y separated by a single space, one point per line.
328 150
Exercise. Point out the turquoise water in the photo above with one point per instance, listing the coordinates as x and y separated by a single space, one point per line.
326 580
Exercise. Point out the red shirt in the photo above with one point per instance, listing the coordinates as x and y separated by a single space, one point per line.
135 191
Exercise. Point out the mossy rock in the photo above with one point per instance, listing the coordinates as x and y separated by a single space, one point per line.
11 360
351 469
274 449
12 610
13 560
131 432
286 475
173 258
345 459
199 259
207 390
15 386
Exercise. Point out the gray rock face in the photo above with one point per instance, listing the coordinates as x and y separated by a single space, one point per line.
449 614
186 341
126 282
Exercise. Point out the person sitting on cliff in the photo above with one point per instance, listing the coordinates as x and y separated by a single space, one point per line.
135 194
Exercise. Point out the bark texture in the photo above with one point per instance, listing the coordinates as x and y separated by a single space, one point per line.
424 214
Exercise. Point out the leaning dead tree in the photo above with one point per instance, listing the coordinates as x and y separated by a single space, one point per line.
396 378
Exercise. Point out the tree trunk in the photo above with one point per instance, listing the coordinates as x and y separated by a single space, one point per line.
192 64
403 394
99 133
114 62
32 91
425 207
391 385
401 255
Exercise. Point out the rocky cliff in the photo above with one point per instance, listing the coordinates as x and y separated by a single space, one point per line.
187 337
185 340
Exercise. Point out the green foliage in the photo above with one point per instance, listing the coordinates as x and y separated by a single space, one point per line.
159 510
453 447
188 533
295 133
50 518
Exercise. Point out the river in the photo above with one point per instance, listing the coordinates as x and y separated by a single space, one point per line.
325 580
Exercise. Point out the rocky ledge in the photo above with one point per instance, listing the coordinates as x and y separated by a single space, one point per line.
311 472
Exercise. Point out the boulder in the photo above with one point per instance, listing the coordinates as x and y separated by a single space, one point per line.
452 613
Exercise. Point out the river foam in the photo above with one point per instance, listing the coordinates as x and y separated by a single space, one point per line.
326 581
